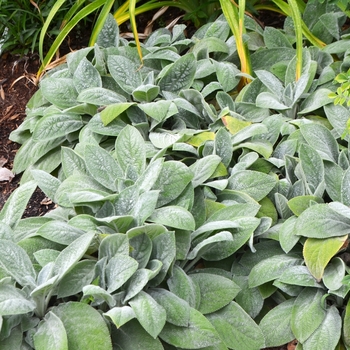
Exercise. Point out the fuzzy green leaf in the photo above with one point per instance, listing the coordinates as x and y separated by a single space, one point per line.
79 276
179 75
321 139
149 313
53 126
318 253
274 38
146 93
312 166
71 162
72 254
31 152
98 295
271 268
208 243
112 245
15 205
214 225
141 249
86 76
173 216
139 280
130 150
216 291
16 263
47 183
327 335
92 331
298 276
275 325
159 110
322 221
120 315
227 75
256 184
59 232
100 96
346 326
315 100
102 166
240 236
307 314
172 180
125 72
51 334
132 336
148 178
113 111
184 287
236 328
334 274
118 270
177 310
300 203
163 250
271 101
198 334
204 168
345 188
109 34
13 301
223 146
60 92
334 177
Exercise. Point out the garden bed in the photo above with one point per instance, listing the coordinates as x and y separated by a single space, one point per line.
199 178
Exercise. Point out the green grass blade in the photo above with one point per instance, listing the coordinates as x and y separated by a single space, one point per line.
71 12
69 26
285 9
299 36
122 17
49 18
235 19
132 6
121 10
100 21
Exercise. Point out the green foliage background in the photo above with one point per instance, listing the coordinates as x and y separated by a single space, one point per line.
192 212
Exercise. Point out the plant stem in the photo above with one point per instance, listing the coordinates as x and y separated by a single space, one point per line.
298 35
235 19
284 9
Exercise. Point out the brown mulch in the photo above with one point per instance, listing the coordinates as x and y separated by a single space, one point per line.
16 88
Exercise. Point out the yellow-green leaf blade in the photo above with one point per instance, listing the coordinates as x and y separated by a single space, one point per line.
318 253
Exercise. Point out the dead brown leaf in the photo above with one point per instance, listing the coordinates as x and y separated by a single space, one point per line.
3 161
6 175
46 201
292 345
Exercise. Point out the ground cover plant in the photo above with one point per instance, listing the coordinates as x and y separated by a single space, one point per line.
192 213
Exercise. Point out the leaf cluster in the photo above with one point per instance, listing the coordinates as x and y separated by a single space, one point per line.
21 23
189 215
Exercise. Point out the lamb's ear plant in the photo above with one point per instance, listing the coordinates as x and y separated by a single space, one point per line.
102 89
189 216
